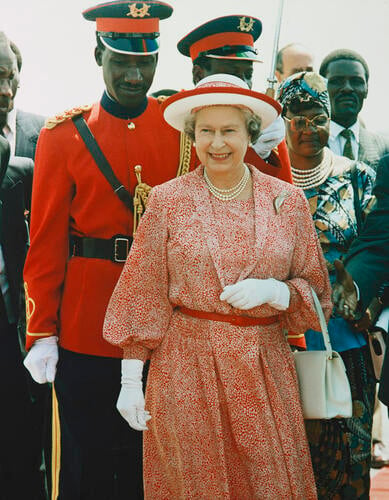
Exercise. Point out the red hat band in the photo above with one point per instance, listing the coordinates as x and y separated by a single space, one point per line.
119 25
220 40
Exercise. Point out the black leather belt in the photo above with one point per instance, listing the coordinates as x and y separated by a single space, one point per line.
115 249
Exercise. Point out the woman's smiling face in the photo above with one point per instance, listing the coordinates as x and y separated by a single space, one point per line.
221 138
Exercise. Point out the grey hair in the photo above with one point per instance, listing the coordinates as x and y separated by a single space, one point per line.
253 124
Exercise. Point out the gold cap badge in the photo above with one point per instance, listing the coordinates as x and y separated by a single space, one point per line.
143 11
246 26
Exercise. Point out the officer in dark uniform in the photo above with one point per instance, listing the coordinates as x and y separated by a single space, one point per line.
87 170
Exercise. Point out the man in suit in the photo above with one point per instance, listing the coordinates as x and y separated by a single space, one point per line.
20 128
367 268
20 460
367 261
24 397
348 76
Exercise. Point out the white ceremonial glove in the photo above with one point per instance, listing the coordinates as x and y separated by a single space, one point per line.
383 320
131 401
251 293
41 360
270 137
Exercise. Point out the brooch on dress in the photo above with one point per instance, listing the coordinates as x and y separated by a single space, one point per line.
279 200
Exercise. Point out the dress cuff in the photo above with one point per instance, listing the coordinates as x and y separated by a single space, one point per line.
136 351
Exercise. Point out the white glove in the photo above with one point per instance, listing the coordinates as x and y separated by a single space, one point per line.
270 137
251 293
131 401
41 360
383 320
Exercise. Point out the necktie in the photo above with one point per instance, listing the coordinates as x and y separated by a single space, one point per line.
347 150
3 313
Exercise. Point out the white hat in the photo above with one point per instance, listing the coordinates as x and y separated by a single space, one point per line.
222 90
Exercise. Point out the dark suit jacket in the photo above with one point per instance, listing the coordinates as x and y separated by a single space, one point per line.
372 147
28 126
368 257
15 196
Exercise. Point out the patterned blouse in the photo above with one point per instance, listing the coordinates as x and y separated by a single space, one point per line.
332 209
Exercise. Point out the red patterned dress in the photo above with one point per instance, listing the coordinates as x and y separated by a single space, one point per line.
226 419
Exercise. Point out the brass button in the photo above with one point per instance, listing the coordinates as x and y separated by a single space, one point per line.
131 126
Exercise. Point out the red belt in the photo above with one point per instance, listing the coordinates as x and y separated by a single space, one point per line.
229 318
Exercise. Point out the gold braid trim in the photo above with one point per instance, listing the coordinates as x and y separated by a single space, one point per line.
30 309
141 195
300 336
66 115
55 447
142 190
185 154
30 305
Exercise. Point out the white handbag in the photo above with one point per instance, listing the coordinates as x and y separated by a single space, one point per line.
324 387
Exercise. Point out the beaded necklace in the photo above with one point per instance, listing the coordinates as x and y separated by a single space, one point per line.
307 179
231 193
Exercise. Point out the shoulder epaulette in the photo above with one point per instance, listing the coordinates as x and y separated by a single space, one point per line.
66 115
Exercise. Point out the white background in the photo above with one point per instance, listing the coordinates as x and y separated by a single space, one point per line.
57 45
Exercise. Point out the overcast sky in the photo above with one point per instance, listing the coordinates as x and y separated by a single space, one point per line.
57 44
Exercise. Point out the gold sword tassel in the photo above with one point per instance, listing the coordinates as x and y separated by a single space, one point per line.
141 195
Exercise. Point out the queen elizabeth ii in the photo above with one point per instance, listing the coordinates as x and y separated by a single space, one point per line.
222 263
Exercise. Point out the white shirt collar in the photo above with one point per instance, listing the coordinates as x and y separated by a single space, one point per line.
336 129
11 121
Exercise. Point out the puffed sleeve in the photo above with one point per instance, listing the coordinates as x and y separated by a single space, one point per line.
308 269
139 311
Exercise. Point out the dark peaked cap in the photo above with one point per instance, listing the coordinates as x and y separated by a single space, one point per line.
228 37
129 27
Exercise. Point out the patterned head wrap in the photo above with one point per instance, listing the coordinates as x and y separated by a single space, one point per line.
306 86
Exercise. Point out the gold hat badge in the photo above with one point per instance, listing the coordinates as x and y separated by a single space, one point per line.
135 11
246 25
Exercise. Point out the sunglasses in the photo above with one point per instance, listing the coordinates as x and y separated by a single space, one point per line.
302 122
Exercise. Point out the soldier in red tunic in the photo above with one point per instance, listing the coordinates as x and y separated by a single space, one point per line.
81 227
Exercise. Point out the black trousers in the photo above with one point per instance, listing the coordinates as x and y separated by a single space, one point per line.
101 456
22 413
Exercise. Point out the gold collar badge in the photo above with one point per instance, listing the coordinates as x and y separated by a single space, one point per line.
143 11
246 25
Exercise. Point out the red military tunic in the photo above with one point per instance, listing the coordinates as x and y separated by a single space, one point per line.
274 165
68 297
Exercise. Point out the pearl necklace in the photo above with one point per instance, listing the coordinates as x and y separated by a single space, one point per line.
231 193
307 179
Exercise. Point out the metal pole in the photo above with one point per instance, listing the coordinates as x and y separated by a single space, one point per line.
272 79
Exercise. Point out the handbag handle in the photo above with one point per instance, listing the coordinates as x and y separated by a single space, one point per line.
323 323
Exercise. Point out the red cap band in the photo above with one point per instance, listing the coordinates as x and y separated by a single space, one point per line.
220 40
118 25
